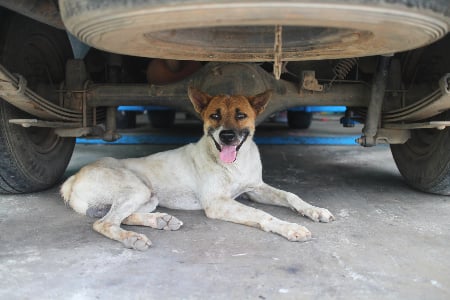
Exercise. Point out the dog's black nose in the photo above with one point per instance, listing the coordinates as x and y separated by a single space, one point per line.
227 136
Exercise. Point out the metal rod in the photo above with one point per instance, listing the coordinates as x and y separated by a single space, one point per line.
110 134
376 102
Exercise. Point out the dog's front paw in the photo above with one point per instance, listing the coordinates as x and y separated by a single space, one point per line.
297 233
137 241
168 222
318 214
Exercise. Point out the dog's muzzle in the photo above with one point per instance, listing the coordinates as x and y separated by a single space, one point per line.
230 143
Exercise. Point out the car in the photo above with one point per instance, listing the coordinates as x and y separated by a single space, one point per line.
65 67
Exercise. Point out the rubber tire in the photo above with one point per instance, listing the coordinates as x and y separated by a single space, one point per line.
299 119
424 160
159 23
162 118
31 159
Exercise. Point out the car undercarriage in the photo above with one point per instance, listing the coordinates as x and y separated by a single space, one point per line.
65 68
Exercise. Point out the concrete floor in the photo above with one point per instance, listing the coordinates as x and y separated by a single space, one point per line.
388 242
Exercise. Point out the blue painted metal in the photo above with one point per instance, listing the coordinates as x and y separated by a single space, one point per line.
131 108
181 140
143 108
348 122
298 108
319 108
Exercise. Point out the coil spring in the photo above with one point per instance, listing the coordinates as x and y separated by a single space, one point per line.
343 67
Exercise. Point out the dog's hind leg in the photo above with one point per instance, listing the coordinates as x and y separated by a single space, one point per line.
267 194
153 220
125 204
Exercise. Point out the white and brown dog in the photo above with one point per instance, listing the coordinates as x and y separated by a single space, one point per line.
208 175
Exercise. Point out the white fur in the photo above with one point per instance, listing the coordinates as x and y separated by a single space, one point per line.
190 177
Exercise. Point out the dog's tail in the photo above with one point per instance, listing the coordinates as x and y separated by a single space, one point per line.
66 189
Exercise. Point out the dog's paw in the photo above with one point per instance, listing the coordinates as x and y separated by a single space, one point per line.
137 241
168 222
297 233
318 214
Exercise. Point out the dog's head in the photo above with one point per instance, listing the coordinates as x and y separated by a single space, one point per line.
228 120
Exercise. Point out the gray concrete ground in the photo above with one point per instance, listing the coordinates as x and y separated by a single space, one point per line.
388 242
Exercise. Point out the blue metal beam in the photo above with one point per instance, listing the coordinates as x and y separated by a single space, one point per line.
264 140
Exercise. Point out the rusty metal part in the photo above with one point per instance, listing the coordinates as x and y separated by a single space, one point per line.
44 11
213 78
13 89
77 132
386 136
40 123
226 78
431 105
243 30
309 82
439 125
173 65
342 68
111 135
278 52
165 71
373 118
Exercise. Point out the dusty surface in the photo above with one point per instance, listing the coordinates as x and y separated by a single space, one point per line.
388 242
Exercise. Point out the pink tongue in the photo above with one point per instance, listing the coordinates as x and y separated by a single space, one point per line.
228 154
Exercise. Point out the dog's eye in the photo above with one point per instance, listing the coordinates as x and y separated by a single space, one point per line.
240 116
215 116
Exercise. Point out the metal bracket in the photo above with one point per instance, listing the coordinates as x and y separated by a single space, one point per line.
387 136
277 52
309 82
440 125
39 123
400 133
65 129
98 130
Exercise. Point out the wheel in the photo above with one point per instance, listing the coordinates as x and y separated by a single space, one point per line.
299 119
32 159
205 30
424 160
162 118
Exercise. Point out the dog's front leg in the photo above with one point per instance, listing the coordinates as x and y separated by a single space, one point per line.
267 194
230 210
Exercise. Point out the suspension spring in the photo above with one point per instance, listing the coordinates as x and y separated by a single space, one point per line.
343 67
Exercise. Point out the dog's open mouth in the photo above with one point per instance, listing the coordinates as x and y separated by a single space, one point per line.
228 153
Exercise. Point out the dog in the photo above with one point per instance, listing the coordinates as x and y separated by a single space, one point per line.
208 175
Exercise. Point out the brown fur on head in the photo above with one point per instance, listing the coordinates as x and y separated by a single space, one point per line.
235 112
228 120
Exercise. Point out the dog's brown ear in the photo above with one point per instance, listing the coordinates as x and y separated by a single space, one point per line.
199 99
259 102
